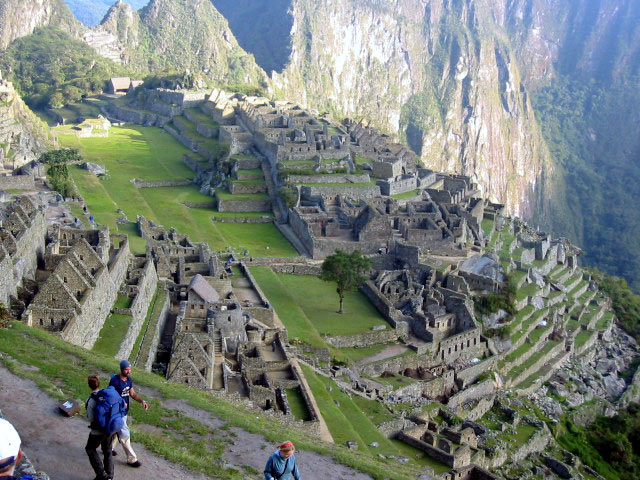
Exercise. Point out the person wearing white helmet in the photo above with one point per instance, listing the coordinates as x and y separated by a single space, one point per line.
10 453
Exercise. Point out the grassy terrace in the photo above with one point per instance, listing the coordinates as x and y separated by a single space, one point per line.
516 371
202 117
557 271
583 337
529 290
112 333
507 241
409 194
527 324
142 345
487 226
224 194
309 317
319 308
151 154
190 130
60 370
602 323
250 173
574 291
352 419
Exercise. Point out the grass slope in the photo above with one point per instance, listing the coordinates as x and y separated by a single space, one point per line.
150 154
61 370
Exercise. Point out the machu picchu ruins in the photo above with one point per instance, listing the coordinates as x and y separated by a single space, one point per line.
441 365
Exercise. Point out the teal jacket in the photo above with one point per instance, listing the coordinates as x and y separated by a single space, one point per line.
275 466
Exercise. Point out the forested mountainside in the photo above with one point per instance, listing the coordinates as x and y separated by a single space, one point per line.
91 12
175 35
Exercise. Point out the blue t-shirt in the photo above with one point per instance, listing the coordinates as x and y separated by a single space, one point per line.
122 387
276 466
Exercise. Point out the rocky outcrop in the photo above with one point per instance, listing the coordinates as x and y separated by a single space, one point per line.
23 136
19 18
181 35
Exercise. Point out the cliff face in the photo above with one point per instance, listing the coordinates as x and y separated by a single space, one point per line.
21 18
442 73
597 39
172 35
23 136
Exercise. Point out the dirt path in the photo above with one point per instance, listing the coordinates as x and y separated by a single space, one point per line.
55 444
390 351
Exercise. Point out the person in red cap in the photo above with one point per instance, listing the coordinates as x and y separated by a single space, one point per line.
10 453
282 464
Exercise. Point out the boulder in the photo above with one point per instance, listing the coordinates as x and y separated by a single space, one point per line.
537 277
94 168
558 467
538 302
605 366
613 385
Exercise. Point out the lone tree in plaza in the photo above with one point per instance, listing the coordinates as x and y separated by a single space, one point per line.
347 270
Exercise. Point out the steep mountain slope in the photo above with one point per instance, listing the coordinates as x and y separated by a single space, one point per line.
91 12
175 35
442 74
23 136
20 18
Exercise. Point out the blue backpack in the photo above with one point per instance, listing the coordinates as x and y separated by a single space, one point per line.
109 410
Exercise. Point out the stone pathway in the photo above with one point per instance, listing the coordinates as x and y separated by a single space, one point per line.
390 351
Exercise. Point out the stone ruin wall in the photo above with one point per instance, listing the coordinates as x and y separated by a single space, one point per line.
367 339
84 331
156 335
17 182
146 288
24 262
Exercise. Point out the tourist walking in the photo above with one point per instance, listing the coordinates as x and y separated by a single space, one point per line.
124 385
282 464
10 453
99 436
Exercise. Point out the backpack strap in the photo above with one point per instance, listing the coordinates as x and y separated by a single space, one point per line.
284 470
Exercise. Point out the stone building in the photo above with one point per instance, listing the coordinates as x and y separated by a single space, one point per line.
22 244
83 275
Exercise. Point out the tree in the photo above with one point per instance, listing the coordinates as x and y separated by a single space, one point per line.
289 196
347 270
57 169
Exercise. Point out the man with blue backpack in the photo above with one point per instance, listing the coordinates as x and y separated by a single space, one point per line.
124 385
105 411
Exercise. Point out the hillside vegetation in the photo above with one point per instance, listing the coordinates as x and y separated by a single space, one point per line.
51 69
591 130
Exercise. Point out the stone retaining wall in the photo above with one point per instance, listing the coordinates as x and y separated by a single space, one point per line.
474 392
139 308
334 178
346 191
382 304
297 269
17 182
244 205
367 339
395 365
536 443
167 183
130 115
469 375
237 188
156 335
538 364
193 164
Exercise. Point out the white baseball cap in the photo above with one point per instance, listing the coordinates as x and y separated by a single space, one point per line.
9 444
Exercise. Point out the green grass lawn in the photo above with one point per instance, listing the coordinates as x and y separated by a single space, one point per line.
123 302
319 303
409 194
148 153
350 421
298 406
112 333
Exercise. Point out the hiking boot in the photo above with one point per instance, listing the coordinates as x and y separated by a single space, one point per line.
135 464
